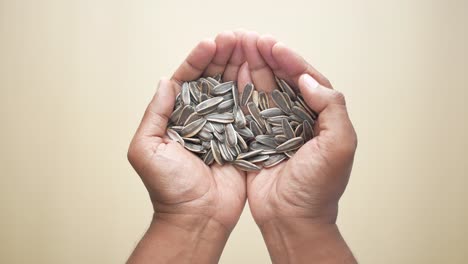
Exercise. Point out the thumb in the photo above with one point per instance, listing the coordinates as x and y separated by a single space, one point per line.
334 129
159 110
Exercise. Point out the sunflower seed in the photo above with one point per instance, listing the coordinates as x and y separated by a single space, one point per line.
290 153
226 105
176 114
174 136
259 158
206 144
308 133
255 97
205 89
208 158
245 165
263 101
213 81
303 114
274 160
249 154
193 128
192 140
193 117
203 97
222 88
311 112
186 112
298 130
194 147
218 127
287 129
185 93
227 156
224 118
288 100
280 101
276 120
266 140
177 129
208 105
256 130
219 136
216 153
271 112
253 110
245 132
205 135
217 77
239 117
241 143
291 144
235 94
246 94
231 138
280 139
286 88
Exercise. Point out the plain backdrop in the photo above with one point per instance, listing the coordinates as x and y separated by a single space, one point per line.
76 76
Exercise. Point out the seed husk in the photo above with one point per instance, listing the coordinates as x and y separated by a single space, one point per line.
274 160
194 147
216 153
245 165
280 139
291 144
263 101
227 156
249 154
208 105
193 128
208 158
255 113
231 137
246 94
271 112
287 129
226 105
192 117
286 88
185 93
303 114
241 143
172 134
280 101
222 88
245 132
266 140
259 158
224 118
298 130
186 112
308 132
176 114
235 94
239 117
256 130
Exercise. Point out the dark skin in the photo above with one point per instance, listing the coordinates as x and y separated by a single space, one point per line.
203 204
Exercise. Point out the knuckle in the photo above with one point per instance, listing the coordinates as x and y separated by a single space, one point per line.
338 97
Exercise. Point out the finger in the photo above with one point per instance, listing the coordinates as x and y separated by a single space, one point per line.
236 60
225 44
196 62
333 123
262 75
155 119
293 66
265 45
243 77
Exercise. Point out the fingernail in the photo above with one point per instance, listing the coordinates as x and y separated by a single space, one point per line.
310 82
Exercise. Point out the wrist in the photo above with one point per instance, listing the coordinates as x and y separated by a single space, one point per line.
181 239
299 240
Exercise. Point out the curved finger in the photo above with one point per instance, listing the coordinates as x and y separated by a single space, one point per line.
236 60
262 75
225 44
197 61
155 119
292 66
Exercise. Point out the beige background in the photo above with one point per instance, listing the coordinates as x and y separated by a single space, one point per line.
75 77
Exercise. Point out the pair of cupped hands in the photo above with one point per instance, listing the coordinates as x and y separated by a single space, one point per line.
207 201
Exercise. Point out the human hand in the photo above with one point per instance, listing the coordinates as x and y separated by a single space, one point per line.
297 200
187 195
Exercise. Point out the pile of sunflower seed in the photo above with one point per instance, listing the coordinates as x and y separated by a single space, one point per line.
209 120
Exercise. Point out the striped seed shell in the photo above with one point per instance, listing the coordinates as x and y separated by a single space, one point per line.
245 165
274 160
227 156
194 116
235 93
226 105
186 112
224 118
208 158
241 143
208 105
174 136
185 93
194 147
255 113
287 129
231 135
308 133
280 101
256 130
246 94
303 114
193 128
271 112
216 153
291 144
263 101
239 118
259 158
267 140
245 132
249 154
222 88
176 114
